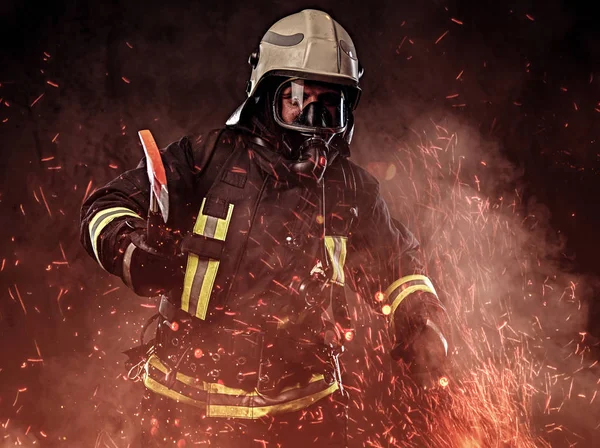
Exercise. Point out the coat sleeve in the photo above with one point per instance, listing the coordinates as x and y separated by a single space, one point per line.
111 212
385 268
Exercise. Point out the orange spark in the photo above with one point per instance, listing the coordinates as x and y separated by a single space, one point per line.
20 298
45 202
36 100
441 37
111 290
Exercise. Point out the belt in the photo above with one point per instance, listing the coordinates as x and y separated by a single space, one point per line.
217 400
247 359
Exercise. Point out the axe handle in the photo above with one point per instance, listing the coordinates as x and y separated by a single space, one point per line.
153 225
156 173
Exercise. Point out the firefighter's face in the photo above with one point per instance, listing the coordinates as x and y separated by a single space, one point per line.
294 100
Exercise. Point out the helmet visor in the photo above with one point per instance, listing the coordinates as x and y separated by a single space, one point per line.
310 106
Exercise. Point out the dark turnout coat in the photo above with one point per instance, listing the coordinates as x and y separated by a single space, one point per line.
255 232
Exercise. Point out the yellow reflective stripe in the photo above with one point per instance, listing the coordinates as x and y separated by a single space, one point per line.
249 412
192 261
342 259
409 278
408 291
404 294
207 287
330 246
246 412
103 218
336 250
213 267
190 270
217 388
420 283
223 225
205 276
201 221
155 362
158 388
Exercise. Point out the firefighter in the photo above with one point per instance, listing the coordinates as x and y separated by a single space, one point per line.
268 222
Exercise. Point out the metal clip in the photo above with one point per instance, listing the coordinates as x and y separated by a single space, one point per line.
135 372
337 372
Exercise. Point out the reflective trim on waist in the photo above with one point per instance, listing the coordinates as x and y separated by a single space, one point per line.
223 401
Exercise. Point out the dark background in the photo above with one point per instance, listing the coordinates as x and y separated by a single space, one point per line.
529 81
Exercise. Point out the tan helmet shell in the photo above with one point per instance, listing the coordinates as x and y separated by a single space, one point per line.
309 45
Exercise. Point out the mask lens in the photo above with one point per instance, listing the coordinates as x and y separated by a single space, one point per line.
310 106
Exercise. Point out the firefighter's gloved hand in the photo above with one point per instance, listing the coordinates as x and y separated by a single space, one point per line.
423 355
149 271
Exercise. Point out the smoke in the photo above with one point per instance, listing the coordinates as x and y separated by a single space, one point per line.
83 398
433 125
522 361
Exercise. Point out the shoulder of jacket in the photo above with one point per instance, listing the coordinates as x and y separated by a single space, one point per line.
365 181
196 149
195 141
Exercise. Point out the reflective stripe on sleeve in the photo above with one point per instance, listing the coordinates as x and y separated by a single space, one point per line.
103 218
405 286
437 330
127 265
218 400
336 250
201 272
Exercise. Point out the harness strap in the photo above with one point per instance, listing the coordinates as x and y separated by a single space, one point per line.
203 246
222 190
167 310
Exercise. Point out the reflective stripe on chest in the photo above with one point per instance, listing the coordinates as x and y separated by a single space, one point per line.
201 272
336 251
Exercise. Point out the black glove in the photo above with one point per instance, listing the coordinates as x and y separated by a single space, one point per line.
146 270
425 353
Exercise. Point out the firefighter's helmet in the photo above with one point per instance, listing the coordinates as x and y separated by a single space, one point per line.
310 46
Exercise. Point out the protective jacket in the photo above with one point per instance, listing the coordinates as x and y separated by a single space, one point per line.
245 334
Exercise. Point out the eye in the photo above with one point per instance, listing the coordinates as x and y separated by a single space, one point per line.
330 99
288 98
286 93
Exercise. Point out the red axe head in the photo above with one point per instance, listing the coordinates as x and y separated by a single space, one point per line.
159 197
